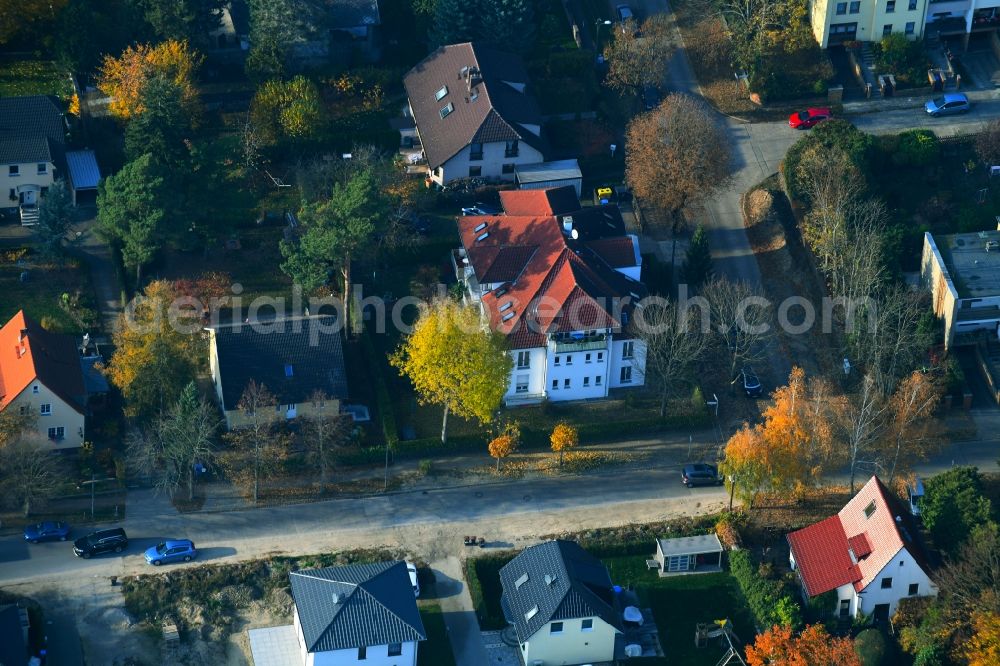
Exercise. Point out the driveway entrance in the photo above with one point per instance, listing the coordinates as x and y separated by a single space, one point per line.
981 63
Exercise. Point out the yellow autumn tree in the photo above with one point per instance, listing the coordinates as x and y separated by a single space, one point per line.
983 648
564 437
745 465
156 351
288 109
454 361
505 444
123 78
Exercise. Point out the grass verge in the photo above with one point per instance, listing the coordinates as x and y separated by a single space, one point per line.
436 650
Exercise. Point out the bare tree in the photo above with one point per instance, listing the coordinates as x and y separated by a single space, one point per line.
912 429
16 422
833 185
886 337
30 473
257 446
749 15
741 318
863 420
638 55
323 431
673 345
988 143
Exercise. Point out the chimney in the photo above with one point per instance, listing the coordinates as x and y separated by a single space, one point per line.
549 579
473 78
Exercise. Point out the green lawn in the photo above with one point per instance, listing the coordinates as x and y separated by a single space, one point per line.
33 77
436 650
679 603
41 296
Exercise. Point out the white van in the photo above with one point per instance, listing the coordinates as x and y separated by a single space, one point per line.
915 491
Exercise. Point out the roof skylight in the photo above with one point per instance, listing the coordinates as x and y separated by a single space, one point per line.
446 111
506 306
480 227
441 93
507 317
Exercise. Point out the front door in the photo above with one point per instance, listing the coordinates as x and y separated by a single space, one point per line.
845 608
880 616
29 197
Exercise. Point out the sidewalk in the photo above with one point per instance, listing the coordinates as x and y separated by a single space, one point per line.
906 101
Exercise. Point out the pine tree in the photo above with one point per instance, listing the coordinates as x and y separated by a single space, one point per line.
55 216
508 24
697 269
457 21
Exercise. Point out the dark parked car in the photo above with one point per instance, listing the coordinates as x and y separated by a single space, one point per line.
749 381
105 541
948 104
47 531
172 550
700 474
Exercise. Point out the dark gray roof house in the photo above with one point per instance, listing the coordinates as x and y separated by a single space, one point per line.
487 91
555 580
292 357
31 130
355 606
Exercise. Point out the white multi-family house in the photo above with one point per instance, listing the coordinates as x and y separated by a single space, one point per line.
362 614
41 374
561 283
867 553
32 150
474 113
561 603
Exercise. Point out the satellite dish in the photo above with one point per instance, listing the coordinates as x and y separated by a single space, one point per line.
574 234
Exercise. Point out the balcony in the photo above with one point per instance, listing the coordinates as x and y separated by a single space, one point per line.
524 399
579 344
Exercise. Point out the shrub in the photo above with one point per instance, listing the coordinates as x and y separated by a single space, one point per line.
483 577
952 505
767 599
917 147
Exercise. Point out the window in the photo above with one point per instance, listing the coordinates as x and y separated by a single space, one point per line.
887 30
511 149
870 509
841 8
586 381
475 151
597 380
13 170
523 360
57 433
555 384
626 376
395 649
600 356
34 389
24 410
569 359
912 5
13 194
46 409
44 191
557 360
910 26
507 168
627 349
475 171
43 168
446 110
566 383
890 7
887 583
521 385
856 7
439 95
556 628
362 653
587 625
913 589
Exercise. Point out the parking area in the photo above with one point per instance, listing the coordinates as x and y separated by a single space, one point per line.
981 64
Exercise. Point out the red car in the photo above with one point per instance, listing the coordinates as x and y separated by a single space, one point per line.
808 118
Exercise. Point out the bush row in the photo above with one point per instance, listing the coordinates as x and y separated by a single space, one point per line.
383 402
769 601
483 577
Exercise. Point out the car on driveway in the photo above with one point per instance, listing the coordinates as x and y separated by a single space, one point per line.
624 13
46 531
948 104
411 569
480 209
700 474
748 380
170 551
104 541
808 118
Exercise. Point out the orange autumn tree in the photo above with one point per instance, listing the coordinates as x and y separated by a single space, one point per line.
505 444
983 648
123 78
813 647
564 437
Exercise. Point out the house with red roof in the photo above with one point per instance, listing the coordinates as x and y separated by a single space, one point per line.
868 553
561 282
41 374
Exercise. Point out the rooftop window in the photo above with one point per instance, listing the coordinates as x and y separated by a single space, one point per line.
446 111
508 316
480 227
870 509
483 236
506 306
441 93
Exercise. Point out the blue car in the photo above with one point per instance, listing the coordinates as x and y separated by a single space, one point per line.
946 105
47 531
179 550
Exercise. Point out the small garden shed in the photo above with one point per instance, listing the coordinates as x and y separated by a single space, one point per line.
691 554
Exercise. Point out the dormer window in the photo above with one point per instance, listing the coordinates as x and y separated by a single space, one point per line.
439 95
446 111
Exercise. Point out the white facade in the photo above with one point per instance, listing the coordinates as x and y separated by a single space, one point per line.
58 422
837 21
975 14
574 641
494 161
372 655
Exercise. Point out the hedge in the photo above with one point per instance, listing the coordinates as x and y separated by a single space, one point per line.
386 414
768 600
483 577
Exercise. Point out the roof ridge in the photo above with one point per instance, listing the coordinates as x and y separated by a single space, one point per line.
379 602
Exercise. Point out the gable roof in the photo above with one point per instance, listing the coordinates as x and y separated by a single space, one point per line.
293 357
494 106
550 281
853 547
356 605
28 352
578 586
31 130
352 13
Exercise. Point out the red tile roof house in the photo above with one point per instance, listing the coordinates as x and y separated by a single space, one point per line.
41 372
474 113
561 282
867 553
